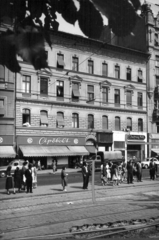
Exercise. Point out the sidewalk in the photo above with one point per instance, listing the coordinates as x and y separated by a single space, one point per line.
50 171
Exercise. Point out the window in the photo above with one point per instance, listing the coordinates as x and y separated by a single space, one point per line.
90 93
26 116
117 123
90 67
157 71
157 80
75 92
140 76
2 109
1 103
104 122
60 89
46 56
117 72
104 69
60 120
2 73
43 118
129 124
129 98
104 94
75 64
26 85
90 121
157 125
128 74
60 61
117 96
43 85
75 120
156 40
139 99
140 125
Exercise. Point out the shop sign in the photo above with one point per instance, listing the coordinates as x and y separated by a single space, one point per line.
90 136
135 137
50 141
6 140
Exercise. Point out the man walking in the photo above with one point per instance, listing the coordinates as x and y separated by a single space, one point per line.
152 169
139 171
130 172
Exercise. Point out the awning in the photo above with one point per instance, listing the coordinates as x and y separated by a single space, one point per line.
91 149
76 92
45 151
113 155
7 152
44 119
155 150
78 150
61 62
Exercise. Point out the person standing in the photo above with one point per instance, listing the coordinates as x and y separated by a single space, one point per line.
130 172
152 169
85 175
139 171
29 179
9 180
103 174
108 175
64 178
17 179
34 175
39 165
25 166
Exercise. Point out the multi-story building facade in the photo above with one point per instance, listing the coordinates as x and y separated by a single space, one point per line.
151 13
7 112
93 95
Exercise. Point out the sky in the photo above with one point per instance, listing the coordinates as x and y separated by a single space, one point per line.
74 29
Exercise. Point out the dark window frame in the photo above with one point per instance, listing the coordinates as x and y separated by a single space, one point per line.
105 122
60 89
75 120
90 66
140 125
117 71
90 121
117 96
105 94
140 99
75 64
128 74
117 124
26 114
129 123
44 84
104 69
127 102
26 81
90 94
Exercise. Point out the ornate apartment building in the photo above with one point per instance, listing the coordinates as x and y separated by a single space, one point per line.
94 95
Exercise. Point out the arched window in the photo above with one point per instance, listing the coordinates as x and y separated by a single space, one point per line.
26 116
43 118
90 121
129 124
75 120
104 122
60 120
128 74
117 123
2 73
140 125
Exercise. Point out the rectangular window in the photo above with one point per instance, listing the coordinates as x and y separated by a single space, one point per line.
157 80
104 94
156 40
157 71
140 76
26 84
75 64
90 67
117 96
60 120
75 120
117 123
117 72
43 85
90 121
60 61
139 100
90 93
104 122
43 118
129 98
105 69
75 92
129 124
128 74
60 89
2 73
1 103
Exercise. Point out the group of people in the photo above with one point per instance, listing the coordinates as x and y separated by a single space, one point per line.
22 179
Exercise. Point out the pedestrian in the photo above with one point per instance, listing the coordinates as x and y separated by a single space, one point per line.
139 171
108 175
34 175
25 166
115 175
85 175
123 172
130 172
29 179
54 165
39 165
64 178
152 169
17 179
111 170
103 174
9 180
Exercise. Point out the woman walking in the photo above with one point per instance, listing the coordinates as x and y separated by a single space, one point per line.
9 180
64 178
17 179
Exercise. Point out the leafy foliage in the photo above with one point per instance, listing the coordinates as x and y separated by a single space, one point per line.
29 32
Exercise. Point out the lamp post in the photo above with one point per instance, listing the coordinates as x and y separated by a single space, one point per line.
93 177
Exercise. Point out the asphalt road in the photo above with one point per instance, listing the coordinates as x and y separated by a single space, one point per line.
75 177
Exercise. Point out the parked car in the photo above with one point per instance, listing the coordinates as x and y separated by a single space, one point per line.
146 162
14 164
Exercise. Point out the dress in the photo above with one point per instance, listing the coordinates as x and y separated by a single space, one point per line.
18 178
9 181
34 175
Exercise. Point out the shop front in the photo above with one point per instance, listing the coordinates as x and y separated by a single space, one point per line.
154 145
104 140
7 152
65 151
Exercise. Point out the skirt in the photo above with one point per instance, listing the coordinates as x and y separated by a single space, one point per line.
9 182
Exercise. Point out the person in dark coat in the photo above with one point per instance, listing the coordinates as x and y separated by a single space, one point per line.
130 172
139 171
152 169
64 178
17 179
85 173
9 180
28 175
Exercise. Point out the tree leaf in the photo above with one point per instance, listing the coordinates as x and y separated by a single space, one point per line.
68 11
90 20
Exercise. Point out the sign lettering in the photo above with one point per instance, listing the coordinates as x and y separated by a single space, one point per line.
135 137
47 141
